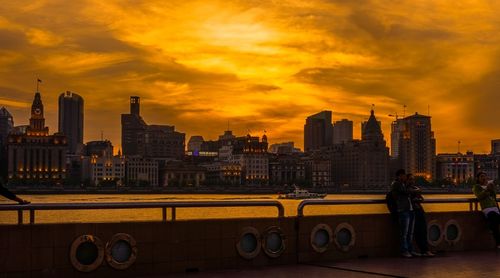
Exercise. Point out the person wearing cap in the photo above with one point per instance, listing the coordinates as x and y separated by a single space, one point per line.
485 193
402 195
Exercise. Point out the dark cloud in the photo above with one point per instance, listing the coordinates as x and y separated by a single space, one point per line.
263 88
12 40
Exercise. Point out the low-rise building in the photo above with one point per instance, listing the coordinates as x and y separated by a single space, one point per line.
141 171
456 168
223 173
180 174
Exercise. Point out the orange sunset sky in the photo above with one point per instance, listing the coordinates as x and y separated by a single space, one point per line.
261 65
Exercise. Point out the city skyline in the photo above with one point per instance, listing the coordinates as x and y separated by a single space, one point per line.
261 67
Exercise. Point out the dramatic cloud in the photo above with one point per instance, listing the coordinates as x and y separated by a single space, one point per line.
257 65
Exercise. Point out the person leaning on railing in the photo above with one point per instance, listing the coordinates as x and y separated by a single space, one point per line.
485 193
9 195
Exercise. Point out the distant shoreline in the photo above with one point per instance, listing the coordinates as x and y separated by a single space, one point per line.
233 191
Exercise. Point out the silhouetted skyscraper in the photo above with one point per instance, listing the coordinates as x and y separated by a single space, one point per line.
417 146
6 125
495 146
318 131
158 141
71 120
342 131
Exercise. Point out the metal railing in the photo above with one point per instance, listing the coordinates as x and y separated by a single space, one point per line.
473 203
32 208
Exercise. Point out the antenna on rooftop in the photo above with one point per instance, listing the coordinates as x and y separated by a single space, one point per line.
404 110
102 135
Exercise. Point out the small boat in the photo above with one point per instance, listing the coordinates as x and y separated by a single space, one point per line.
302 194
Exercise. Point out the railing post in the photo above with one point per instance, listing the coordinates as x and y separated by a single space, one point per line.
20 216
32 216
164 214
173 214
470 205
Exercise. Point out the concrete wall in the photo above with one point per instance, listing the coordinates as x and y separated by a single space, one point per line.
43 250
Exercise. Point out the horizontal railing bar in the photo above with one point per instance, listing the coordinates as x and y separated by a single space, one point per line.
303 204
127 205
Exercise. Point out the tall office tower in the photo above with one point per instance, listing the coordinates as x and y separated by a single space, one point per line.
36 155
362 164
342 131
495 146
71 120
6 125
396 129
318 131
157 141
417 146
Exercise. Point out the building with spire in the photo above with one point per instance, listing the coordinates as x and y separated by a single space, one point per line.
362 164
71 120
34 156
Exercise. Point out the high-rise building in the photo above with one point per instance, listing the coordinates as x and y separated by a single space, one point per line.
6 125
362 164
156 141
71 120
397 128
417 146
318 131
36 156
342 131
495 146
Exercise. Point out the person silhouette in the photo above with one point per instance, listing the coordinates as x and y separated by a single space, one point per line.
9 195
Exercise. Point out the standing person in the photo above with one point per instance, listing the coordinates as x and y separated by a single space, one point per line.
485 193
420 221
406 217
9 195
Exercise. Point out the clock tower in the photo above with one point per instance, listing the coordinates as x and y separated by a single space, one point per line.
37 121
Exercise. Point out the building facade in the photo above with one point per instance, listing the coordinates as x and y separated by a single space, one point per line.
71 120
495 147
342 131
417 146
141 171
180 174
6 125
362 164
286 169
107 170
318 131
488 164
456 168
157 141
223 174
252 155
35 156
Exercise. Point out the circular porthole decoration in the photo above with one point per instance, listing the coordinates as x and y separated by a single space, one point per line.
345 237
273 242
453 232
434 233
121 251
249 244
87 253
321 237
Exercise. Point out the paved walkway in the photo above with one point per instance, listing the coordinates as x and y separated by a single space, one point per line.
452 264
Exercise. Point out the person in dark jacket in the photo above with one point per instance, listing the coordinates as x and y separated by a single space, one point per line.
9 195
401 193
420 232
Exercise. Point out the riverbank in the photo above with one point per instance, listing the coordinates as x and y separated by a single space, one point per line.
205 190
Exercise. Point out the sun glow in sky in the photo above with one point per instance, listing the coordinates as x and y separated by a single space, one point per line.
259 65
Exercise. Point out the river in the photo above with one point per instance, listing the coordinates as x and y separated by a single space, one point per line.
72 216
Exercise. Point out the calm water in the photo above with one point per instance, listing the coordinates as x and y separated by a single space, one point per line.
198 213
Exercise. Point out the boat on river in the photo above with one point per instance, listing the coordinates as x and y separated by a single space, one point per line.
302 194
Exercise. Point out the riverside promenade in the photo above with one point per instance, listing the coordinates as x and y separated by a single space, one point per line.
301 245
